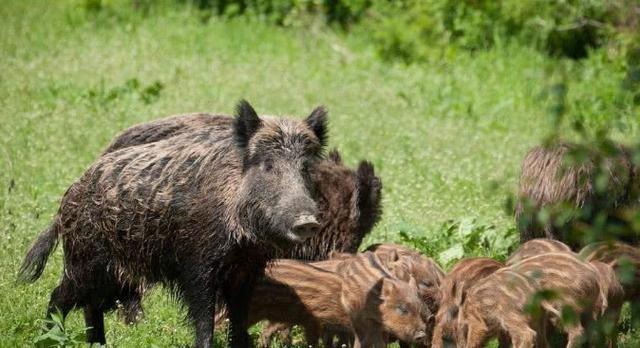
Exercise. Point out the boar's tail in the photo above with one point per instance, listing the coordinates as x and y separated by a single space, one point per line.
36 258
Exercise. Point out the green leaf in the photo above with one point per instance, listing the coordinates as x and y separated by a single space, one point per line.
454 253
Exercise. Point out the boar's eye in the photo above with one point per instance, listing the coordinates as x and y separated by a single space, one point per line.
425 284
402 309
267 165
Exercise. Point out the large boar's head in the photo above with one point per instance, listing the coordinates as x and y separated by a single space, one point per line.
277 196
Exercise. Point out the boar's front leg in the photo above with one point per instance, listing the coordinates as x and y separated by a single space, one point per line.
237 301
94 319
200 297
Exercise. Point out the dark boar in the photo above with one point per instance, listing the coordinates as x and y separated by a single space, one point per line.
549 181
349 202
453 289
535 247
200 212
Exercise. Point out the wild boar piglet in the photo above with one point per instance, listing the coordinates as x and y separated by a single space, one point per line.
455 284
536 247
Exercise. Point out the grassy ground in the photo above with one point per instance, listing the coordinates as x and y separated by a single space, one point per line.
446 138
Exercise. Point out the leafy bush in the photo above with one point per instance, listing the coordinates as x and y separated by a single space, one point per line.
464 238
57 335
410 29
283 12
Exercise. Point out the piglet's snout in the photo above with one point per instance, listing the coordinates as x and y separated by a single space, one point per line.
420 336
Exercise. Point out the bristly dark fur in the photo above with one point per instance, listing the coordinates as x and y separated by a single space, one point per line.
350 205
35 260
349 202
185 212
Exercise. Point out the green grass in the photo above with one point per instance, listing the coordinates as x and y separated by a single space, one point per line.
446 138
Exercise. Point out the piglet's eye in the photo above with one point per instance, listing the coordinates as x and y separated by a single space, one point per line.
425 285
402 309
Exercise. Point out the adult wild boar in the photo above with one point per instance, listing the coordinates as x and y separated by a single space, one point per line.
200 212
349 201
557 179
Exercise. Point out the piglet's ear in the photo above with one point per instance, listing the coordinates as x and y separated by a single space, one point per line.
317 121
412 282
393 256
388 287
245 124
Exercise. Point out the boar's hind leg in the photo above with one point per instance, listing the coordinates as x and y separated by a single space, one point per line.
94 319
63 298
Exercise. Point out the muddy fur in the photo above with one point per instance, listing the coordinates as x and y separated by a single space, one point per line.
201 213
493 307
349 201
535 247
549 181
364 300
576 284
455 284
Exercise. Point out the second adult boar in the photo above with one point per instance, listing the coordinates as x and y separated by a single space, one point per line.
552 178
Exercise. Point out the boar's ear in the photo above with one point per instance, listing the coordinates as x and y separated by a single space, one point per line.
317 121
245 124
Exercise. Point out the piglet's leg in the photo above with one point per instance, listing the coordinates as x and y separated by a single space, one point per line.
525 338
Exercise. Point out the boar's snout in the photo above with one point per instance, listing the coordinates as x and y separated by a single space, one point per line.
305 226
